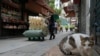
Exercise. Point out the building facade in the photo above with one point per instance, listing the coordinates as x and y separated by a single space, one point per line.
57 4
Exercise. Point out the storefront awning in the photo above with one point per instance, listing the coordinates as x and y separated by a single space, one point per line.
71 14
76 1
10 3
34 7
38 6
44 4
64 1
68 8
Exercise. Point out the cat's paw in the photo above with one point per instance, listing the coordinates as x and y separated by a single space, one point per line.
68 53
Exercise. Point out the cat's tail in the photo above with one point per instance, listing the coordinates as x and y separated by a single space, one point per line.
61 44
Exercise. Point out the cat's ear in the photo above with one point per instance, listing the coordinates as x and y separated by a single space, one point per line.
82 38
92 37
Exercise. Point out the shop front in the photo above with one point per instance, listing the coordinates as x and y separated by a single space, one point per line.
14 20
11 19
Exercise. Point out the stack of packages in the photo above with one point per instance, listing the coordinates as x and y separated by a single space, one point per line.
37 27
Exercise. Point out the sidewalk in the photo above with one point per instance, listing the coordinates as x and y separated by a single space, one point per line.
13 43
34 49
22 47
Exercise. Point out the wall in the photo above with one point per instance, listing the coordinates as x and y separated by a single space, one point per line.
85 17
82 23
95 20
0 18
92 16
